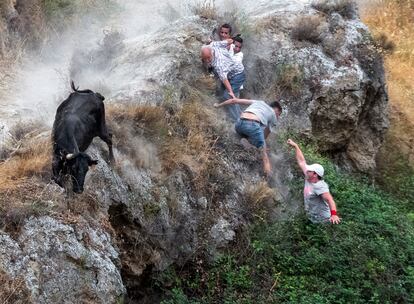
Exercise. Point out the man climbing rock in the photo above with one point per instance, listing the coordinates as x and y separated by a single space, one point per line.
230 72
255 124
319 203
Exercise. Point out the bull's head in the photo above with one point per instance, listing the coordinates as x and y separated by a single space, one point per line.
75 166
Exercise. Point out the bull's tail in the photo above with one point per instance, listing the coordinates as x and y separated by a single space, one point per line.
76 89
72 85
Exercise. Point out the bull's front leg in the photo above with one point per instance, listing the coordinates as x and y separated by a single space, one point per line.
107 138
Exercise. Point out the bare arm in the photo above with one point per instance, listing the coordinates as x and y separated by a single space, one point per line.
234 101
266 132
332 206
267 166
299 155
227 85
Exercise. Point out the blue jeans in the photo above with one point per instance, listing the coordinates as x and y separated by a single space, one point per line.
236 82
252 130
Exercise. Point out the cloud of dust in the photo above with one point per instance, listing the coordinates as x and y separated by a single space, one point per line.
41 82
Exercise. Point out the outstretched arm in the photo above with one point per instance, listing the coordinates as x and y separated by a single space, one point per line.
299 155
334 219
234 101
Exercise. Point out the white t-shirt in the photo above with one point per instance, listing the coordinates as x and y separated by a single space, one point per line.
315 206
236 56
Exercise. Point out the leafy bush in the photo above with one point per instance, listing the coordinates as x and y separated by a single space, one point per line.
368 258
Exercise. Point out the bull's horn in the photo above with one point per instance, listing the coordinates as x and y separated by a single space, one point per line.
70 156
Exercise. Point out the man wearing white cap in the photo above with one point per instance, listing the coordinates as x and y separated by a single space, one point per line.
319 203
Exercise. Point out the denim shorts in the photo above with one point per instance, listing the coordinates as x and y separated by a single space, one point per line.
252 130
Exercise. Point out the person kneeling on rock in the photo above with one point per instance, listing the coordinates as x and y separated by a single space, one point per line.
319 203
255 124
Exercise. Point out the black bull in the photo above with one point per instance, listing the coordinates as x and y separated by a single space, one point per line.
79 119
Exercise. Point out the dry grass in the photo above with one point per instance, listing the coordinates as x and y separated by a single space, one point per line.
184 137
61 13
308 28
289 79
32 160
23 174
206 83
31 22
205 9
394 19
137 130
11 47
13 291
192 146
346 8
258 194
258 199
25 178
148 117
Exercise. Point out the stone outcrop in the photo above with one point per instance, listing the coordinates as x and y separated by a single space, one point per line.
324 66
332 81
62 262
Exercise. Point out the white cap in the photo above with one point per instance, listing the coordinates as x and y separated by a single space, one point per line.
318 169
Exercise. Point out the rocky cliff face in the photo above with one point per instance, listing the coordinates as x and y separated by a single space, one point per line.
183 186
331 77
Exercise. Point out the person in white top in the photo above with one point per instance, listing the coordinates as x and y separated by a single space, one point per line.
319 203
235 51
235 48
